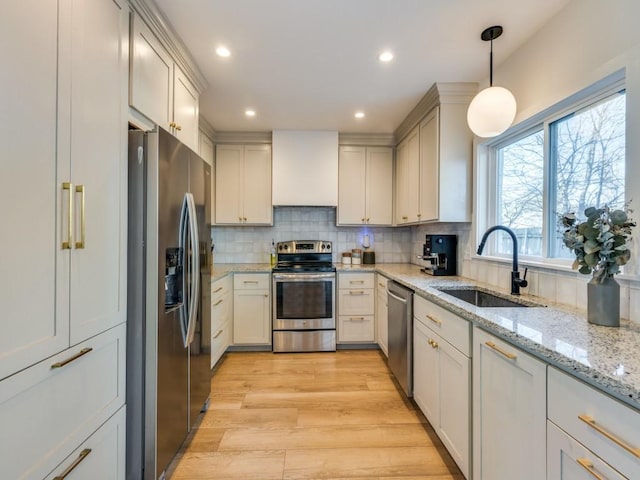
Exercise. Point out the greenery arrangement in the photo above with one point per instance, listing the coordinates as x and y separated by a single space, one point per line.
599 242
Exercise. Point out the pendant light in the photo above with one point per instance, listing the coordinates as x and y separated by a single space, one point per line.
493 109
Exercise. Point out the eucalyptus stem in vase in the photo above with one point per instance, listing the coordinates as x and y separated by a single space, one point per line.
600 245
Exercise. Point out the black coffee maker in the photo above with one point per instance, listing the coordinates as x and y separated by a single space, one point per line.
440 253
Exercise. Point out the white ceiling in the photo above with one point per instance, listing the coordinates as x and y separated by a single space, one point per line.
310 64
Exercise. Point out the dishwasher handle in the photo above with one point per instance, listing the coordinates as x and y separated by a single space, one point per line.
400 299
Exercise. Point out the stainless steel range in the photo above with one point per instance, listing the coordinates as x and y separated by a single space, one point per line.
304 306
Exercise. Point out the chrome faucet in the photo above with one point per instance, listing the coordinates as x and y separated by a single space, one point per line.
516 281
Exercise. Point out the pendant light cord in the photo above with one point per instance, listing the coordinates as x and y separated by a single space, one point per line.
491 65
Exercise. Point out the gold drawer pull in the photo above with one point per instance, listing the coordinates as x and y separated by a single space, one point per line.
61 364
83 454
357 319
435 320
218 289
217 334
588 466
381 284
218 302
592 423
352 282
246 282
405 217
510 356
356 292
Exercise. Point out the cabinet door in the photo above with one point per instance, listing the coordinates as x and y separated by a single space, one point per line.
257 204
379 192
413 175
454 391
251 323
99 59
185 109
509 411
402 172
351 186
151 75
568 459
356 328
426 372
429 166
205 148
228 189
35 268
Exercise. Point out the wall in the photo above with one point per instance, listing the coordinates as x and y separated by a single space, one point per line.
586 41
253 244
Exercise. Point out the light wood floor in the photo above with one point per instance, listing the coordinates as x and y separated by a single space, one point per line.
310 416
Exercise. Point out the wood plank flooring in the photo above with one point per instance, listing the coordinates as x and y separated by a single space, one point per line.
310 416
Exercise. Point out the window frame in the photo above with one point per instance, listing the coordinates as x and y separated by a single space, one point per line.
487 164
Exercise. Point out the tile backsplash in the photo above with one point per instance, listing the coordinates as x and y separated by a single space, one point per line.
253 244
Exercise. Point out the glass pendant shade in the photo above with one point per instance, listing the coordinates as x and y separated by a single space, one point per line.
491 112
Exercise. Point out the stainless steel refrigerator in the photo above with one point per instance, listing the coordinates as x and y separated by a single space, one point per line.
169 310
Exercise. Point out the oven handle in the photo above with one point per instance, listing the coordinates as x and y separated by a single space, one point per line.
302 277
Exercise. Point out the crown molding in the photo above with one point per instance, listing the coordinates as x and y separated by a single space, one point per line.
161 27
242 137
459 93
205 126
367 139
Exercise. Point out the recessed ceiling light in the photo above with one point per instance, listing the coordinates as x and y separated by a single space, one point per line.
385 56
359 115
223 51
250 113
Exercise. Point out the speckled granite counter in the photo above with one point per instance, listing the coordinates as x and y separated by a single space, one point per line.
607 358
220 270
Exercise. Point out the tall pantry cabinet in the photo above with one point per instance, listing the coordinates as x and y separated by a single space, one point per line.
63 185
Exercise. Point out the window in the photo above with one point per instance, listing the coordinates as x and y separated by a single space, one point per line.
564 161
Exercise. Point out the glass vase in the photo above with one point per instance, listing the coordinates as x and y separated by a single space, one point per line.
603 302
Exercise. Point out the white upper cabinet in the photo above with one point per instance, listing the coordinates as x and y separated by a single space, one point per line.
407 179
159 88
65 179
365 186
243 185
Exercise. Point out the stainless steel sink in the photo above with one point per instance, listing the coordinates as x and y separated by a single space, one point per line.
480 298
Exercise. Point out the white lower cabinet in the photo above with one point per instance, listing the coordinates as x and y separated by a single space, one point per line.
251 309
49 409
606 431
568 459
442 381
100 457
382 312
509 411
221 317
356 308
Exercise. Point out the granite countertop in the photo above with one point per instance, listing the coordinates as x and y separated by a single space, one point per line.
604 357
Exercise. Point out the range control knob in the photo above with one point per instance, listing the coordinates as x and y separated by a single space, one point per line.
286 247
323 246
328 246
279 247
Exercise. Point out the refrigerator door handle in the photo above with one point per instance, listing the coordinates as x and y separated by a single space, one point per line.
183 245
194 294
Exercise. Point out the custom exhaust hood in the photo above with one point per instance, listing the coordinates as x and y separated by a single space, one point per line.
305 168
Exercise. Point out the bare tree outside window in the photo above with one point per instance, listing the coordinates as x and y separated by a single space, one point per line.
587 168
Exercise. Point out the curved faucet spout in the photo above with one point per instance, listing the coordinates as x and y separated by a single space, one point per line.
516 281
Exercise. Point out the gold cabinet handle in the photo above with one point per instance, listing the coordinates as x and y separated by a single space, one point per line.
218 289
493 346
381 284
81 190
61 364
354 282
245 219
240 219
83 454
356 292
172 124
66 245
249 281
367 219
357 319
405 218
435 320
621 443
217 334
419 215
363 220
178 127
218 302
588 466
433 343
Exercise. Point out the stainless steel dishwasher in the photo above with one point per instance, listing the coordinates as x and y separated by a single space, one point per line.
400 330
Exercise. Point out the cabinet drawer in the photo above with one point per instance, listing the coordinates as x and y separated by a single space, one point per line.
455 330
569 459
79 393
381 284
251 281
356 280
100 457
602 424
220 311
220 340
356 301
356 328
221 287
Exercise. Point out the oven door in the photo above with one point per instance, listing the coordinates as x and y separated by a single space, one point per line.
304 301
